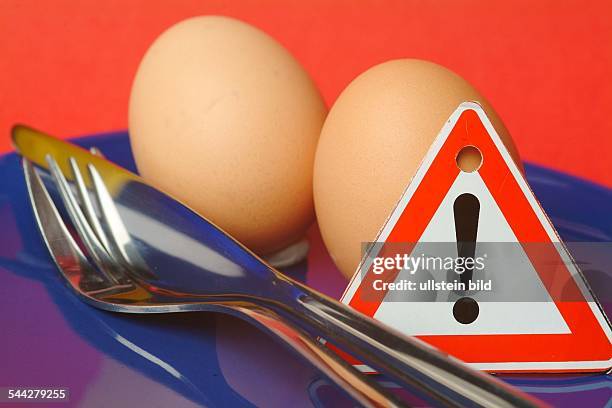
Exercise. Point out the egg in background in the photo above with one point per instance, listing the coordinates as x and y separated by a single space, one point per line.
373 140
224 118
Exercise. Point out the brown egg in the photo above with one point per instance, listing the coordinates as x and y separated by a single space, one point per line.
222 117
372 143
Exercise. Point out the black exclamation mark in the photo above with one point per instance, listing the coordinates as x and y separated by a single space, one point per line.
466 211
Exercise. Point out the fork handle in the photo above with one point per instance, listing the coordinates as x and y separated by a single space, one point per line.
363 389
406 360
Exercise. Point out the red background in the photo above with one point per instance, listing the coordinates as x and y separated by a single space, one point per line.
66 66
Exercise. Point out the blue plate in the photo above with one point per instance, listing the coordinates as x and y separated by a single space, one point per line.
51 339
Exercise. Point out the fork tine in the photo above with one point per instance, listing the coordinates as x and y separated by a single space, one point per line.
95 151
87 205
95 249
69 258
121 242
111 245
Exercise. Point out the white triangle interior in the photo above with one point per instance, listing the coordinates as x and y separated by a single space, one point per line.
509 317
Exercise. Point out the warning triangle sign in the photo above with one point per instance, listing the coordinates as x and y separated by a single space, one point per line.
516 301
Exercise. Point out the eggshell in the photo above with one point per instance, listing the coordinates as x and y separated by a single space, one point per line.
372 143
222 117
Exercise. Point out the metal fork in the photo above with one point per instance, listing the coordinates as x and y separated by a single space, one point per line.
117 275
105 282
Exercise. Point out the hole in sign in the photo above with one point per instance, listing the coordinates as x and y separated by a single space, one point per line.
469 159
